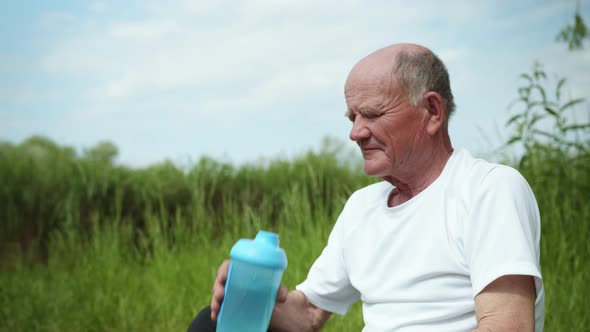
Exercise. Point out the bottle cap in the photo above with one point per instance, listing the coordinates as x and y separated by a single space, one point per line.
263 250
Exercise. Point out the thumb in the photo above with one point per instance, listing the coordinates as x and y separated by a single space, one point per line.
282 294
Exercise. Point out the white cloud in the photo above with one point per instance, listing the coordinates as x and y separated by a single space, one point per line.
99 6
121 87
451 55
296 83
52 18
144 31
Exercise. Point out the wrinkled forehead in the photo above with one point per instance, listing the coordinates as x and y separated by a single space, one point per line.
370 76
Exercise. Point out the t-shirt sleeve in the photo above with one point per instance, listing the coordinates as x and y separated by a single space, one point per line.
328 285
503 233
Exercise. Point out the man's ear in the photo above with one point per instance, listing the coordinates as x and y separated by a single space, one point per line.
436 112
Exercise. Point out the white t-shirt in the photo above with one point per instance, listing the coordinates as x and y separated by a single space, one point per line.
418 266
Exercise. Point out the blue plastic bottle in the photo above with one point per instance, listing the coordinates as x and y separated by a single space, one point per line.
254 277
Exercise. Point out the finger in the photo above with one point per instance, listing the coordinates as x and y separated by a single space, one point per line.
216 300
219 289
219 284
222 272
214 309
218 293
282 294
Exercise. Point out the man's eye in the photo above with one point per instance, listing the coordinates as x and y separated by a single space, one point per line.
366 115
371 115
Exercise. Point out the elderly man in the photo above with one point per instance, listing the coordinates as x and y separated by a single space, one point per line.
446 242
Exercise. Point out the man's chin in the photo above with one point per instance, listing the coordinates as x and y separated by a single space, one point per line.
371 169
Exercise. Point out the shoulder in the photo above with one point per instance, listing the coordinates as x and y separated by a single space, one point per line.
477 175
493 192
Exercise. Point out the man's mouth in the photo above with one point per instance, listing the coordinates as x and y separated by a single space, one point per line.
368 151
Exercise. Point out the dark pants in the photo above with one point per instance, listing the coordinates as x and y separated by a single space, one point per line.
203 322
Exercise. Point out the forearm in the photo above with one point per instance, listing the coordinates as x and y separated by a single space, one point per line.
297 314
506 322
503 327
507 304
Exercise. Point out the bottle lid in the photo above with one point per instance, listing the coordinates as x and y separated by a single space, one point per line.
263 250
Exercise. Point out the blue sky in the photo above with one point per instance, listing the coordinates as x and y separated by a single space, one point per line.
244 80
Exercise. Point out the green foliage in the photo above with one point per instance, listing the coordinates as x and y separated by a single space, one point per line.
87 244
556 163
574 34
49 188
545 119
104 151
118 249
561 183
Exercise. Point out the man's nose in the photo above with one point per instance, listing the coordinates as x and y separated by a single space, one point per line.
359 129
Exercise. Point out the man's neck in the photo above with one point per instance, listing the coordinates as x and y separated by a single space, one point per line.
409 184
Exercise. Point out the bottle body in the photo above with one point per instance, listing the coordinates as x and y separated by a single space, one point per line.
250 297
253 281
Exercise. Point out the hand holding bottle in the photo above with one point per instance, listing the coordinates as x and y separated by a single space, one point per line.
219 289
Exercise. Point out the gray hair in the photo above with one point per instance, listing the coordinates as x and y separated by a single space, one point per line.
420 72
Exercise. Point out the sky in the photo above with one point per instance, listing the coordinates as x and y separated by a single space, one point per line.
241 81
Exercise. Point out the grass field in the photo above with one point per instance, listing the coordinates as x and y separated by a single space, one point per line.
90 246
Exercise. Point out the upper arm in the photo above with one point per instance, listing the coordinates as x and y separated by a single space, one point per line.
502 250
328 283
502 236
507 304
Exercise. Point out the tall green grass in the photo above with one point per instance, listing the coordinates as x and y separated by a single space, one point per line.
561 183
556 163
88 245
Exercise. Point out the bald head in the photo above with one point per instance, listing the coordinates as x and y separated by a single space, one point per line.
412 68
385 59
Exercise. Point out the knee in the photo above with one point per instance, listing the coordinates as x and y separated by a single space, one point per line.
202 322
